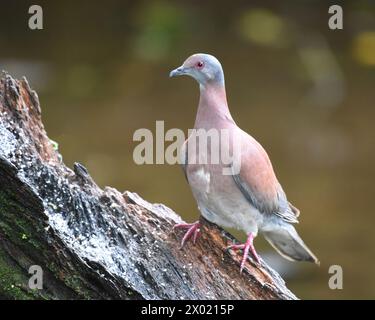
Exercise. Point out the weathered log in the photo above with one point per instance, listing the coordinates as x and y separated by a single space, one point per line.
100 244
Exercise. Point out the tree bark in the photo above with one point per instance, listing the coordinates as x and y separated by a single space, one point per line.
100 244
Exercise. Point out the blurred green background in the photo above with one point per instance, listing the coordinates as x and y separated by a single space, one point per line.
304 91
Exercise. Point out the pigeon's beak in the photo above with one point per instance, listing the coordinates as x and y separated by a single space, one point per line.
177 72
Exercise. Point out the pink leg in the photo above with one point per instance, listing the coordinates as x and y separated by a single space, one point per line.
193 230
246 247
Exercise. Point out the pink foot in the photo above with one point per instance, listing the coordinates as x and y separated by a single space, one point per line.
246 247
193 230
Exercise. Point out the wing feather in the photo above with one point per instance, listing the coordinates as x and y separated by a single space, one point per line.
259 185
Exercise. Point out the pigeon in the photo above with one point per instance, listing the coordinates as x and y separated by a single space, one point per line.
244 194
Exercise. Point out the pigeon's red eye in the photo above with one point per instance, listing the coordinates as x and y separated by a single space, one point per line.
200 64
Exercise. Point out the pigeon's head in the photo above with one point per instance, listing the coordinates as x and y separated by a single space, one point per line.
204 68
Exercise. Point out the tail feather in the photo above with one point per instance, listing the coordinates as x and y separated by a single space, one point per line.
288 243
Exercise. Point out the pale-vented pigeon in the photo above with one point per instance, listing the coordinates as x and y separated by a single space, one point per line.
251 198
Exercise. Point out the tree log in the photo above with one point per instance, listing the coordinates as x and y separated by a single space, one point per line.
100 244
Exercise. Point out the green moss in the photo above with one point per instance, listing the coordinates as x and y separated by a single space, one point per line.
15 226
75 283
14 279
13 282
72 281
53 268
55 145
19 230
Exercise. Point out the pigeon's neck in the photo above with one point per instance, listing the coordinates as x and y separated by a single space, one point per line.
213 106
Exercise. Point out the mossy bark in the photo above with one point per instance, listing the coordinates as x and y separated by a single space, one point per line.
99 244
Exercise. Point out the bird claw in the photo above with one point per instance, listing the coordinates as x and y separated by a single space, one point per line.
246 247
193 231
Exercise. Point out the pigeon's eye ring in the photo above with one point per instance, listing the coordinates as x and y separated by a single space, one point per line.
200 64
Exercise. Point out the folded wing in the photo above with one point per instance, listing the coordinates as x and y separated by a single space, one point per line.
258 183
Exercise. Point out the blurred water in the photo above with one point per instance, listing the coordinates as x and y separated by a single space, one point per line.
305 92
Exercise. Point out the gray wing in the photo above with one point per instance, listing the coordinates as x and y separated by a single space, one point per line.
184 159
278 205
